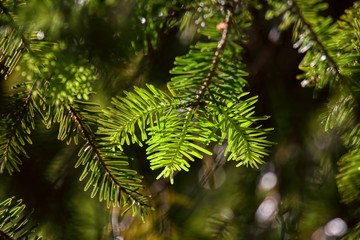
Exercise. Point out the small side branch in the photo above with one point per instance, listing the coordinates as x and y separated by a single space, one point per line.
89 138
322 48
12 133
225 28
316 38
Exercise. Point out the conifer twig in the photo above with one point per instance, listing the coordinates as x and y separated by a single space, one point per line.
215 61
322 47
15 125
89 138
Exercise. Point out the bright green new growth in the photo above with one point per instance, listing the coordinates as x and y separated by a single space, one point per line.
135 110
205 102
206 105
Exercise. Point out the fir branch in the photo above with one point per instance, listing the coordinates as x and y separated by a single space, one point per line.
171 144
347 83
11 56
322 47
246 143
17 123
177 125
14 223
194 73
176 158
89 137
138 108
316 38
215 61
5 159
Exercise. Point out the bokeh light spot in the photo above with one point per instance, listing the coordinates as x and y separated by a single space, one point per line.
336 228
268 181
266 210
40 35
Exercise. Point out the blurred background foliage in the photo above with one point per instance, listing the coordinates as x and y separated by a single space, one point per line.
130 43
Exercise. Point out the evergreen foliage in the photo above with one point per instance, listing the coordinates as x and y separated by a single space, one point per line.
331 59
206 102
206 95
14 224
55 82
